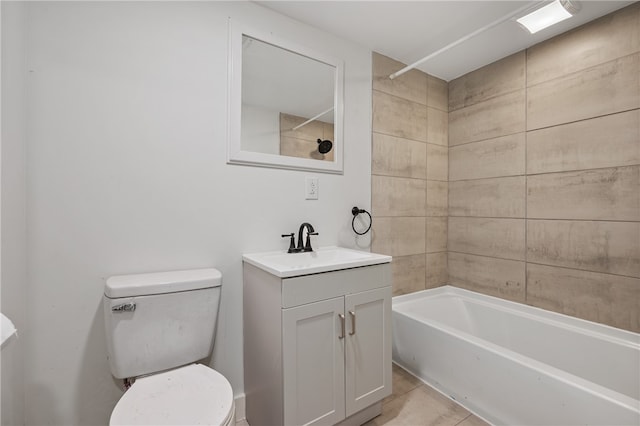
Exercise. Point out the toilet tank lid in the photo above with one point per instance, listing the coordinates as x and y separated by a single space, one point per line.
161 282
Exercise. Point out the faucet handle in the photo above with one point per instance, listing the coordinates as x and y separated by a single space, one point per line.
292 245
307 245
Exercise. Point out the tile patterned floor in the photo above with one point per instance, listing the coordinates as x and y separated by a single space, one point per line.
413 403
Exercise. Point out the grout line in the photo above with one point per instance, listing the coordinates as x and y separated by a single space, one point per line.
540 219
582 220
498 95
550 126
526 176
426 188
486 178
548 173
487 256
401 137
400 177
488 139
461 421
584 270
555 172
399 97
583 170
437 144
545 264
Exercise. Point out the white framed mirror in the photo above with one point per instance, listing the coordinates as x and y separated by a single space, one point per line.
285 103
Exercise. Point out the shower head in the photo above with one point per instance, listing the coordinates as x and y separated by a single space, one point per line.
324 146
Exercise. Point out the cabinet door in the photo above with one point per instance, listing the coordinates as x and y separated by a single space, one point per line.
368 353
313 363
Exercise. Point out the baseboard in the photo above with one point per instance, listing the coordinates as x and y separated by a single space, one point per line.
240 402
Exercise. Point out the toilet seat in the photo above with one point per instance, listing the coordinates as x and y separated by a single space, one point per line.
190 395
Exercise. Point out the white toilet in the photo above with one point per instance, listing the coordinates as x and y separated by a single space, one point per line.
157 326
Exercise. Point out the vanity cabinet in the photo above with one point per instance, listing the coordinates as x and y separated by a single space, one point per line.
317 347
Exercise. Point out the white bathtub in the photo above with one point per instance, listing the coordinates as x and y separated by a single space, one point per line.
513 364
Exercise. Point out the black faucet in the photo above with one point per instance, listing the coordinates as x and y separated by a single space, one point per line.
310 231
307 245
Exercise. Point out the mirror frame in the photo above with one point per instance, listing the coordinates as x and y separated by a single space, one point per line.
235 154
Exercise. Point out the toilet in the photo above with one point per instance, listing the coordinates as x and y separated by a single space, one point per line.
158 325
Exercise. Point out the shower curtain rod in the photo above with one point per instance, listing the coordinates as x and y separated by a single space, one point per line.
463 39
312 118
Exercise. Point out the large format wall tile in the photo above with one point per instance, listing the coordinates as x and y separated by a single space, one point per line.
573 135
398 236
501 77
503 156
437 198
437 126
605 194
394 156
608 141
497 197
410 173
499 116
495 277
604 298
437 162
399 117
503 238
409 274
610 247
437 269
604 89
606 39
411 85
436 234
437 93
393 196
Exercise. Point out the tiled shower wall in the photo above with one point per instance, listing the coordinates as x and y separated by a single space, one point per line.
409 174
544 174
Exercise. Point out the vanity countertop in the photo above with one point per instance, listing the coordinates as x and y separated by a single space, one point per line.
325 259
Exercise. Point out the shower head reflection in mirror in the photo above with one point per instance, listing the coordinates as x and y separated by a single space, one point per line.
283 98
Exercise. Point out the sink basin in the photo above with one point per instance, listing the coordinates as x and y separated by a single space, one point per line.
325 259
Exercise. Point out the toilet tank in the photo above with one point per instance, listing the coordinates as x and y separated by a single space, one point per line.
159 321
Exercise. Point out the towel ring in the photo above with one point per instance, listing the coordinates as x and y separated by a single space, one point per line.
355 212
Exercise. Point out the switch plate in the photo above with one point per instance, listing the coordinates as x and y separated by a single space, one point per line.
311 188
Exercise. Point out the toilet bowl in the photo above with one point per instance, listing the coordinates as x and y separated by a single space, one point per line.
158 325
191 395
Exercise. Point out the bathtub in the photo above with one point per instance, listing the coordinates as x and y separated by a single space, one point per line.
513 364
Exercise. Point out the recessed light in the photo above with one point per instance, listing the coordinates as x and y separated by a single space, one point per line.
548 15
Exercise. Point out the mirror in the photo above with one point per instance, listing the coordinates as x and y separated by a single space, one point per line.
285 104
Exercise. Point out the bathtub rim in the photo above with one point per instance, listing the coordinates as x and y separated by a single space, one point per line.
606 332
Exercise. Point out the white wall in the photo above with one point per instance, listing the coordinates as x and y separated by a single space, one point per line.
127 129
13 211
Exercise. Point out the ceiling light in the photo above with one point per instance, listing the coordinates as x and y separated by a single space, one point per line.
552 13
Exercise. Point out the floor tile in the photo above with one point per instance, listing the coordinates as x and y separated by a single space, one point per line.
420 406
403 382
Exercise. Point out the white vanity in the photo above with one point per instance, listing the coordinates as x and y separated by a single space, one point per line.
317 336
